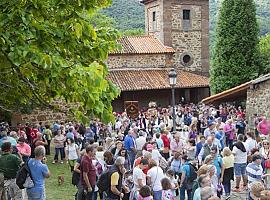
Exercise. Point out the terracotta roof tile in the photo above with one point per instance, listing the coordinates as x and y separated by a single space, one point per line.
235 91
142 45
131 80
227 93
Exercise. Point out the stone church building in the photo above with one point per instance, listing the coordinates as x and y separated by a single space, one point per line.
177 36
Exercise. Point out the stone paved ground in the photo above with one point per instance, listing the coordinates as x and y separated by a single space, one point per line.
243 195
239 196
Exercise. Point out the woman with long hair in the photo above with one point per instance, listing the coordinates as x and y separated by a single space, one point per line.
116 150
72 153
108 158
251 142
123 153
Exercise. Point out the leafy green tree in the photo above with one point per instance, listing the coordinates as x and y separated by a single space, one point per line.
265 52
236 55
138 31
50 49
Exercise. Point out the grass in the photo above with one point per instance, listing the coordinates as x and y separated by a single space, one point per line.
55 191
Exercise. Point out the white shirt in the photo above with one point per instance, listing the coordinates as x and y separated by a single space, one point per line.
197 194
250 144
239 156
140 141
118 124
156 174
156 155
138 174
72 151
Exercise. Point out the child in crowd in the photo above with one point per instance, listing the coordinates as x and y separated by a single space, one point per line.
166 189
265 195
145 193
255 190
173 179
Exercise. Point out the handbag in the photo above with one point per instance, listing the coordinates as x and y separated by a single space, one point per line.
267 162
75 178
163 163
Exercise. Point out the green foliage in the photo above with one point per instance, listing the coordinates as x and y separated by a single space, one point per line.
138 31
265 52
128 14
263 17
236 56
50 49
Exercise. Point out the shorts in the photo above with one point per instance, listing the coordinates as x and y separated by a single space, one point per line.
240 169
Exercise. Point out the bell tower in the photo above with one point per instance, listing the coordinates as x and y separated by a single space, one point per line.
183 25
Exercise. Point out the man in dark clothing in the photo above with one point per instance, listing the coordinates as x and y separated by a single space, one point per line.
115 180
88 173
9 165
240 125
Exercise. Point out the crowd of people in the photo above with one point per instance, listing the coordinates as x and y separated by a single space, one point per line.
146 157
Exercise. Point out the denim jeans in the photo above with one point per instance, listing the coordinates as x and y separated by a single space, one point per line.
61 151
240 169
36 195
227 188
131 156
157 195
182 193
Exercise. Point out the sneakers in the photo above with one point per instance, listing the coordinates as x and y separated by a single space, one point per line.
236 190
227 197
53 162
61 162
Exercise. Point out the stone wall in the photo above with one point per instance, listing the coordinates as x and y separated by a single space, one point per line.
44 115
193 42
139 61
258 101
155 6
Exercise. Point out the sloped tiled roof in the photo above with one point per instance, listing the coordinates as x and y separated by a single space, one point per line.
142 45
234 92
131 80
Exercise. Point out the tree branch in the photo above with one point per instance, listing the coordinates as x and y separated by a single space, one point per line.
6 109
4 84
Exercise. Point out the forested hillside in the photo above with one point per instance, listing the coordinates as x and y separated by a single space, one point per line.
129 14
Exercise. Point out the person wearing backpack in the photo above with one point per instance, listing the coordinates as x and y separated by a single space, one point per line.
9 166
39 171
189 175
111 181
218 163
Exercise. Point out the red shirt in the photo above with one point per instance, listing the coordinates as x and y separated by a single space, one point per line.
165 140
34 133
137 162
88 167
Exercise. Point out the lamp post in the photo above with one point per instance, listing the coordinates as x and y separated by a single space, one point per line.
172 78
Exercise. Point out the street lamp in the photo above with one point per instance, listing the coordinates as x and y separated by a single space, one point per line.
172 78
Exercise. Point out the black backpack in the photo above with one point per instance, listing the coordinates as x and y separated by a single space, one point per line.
103 181
22 175
193 173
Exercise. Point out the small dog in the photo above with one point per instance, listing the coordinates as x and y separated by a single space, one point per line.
61 179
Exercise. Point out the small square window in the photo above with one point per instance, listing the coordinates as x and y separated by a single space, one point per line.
154 16
186 14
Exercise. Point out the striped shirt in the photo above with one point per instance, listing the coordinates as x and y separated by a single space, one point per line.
254 172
